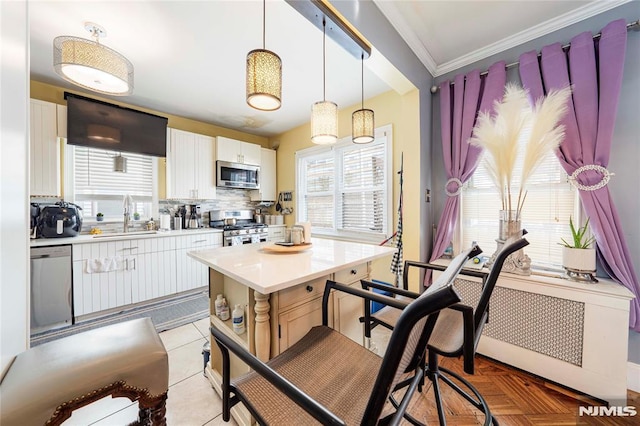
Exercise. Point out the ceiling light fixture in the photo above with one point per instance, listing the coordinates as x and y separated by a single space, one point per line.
362 120
324 114
120 163
264 76
91 65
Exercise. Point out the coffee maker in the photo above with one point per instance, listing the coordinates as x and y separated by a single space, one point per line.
194 217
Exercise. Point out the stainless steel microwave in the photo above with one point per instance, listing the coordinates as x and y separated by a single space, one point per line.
237 175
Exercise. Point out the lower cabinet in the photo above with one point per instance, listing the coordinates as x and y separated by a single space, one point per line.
347 308
299 308
108 275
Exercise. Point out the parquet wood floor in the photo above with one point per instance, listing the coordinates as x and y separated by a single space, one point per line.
515 398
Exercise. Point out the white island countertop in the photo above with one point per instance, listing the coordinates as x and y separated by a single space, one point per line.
268 272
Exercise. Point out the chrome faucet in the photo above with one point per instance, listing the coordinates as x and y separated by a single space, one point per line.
127 218
127 205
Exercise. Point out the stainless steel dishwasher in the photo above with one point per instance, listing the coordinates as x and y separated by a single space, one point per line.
50 288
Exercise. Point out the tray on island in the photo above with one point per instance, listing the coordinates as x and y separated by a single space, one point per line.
286 249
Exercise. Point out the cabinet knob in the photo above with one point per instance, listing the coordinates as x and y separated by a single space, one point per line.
354 271
309 288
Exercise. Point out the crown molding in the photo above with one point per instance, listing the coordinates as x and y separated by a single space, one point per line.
562 21
404 29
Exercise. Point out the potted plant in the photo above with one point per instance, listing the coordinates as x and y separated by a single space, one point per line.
136 216
579 255
99 217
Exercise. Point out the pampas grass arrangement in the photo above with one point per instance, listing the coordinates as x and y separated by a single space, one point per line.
501 137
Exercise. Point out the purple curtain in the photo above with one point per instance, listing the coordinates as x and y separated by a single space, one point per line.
459 107
594 70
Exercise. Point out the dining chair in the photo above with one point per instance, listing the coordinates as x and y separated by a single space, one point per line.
329 379
456 333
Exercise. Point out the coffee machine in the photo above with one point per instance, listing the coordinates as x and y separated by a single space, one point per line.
194 216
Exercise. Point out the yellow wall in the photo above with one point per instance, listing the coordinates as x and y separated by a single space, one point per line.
49 93
403 113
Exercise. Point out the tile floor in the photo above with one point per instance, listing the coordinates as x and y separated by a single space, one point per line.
191 402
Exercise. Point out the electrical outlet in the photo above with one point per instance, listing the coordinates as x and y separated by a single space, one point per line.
427 196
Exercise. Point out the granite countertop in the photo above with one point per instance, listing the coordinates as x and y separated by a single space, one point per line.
267 272
115 236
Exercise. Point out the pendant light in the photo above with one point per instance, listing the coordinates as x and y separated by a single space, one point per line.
324 114
120 163
264 76
362 120
91 65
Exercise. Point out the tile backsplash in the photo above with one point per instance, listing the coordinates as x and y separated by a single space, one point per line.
226 199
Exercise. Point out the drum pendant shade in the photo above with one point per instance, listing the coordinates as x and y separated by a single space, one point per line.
264 80
324 114
92 65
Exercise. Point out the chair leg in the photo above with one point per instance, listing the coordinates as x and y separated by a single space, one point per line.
153 411
479 402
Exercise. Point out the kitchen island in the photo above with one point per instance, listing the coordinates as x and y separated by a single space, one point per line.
282 295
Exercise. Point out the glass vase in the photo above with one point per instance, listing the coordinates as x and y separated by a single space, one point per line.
508 225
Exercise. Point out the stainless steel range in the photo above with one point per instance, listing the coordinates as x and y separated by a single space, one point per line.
238 227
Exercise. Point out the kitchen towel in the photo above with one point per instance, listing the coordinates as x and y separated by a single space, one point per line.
103 264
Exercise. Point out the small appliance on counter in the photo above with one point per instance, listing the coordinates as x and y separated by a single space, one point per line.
59 220
194 217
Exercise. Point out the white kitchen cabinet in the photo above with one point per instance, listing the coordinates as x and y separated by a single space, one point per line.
190 165
266 177
235 151
44 155
298 310
148 268
191 273
100 291
61 112
347 308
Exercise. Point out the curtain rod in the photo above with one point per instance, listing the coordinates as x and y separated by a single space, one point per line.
635 25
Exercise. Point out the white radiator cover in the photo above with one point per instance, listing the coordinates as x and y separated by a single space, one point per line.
570 333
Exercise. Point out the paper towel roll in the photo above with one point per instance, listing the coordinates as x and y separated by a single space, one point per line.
165 222
307 230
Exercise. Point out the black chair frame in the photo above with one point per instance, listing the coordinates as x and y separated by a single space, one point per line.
473 318
428 306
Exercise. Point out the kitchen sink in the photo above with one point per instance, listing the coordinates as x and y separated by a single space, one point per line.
123 234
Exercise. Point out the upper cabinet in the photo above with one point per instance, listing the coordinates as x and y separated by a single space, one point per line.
267 177
44 156
235 151
190 165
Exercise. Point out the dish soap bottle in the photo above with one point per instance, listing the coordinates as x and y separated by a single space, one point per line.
224 310
238 319
218 305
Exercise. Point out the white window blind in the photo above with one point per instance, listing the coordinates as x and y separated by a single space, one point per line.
318 198
550 201
97 188
345 189
362 188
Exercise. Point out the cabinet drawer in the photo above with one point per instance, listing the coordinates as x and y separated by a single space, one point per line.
354 273
301 292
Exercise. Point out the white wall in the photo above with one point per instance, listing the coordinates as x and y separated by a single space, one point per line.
14 181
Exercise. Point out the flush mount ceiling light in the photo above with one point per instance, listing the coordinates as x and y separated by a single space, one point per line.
91 65
324 114
362 120
264 76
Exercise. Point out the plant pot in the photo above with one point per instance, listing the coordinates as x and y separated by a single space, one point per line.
99 218
581 260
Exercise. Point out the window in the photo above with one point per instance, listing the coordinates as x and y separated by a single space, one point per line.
95 187
345 189
550 201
